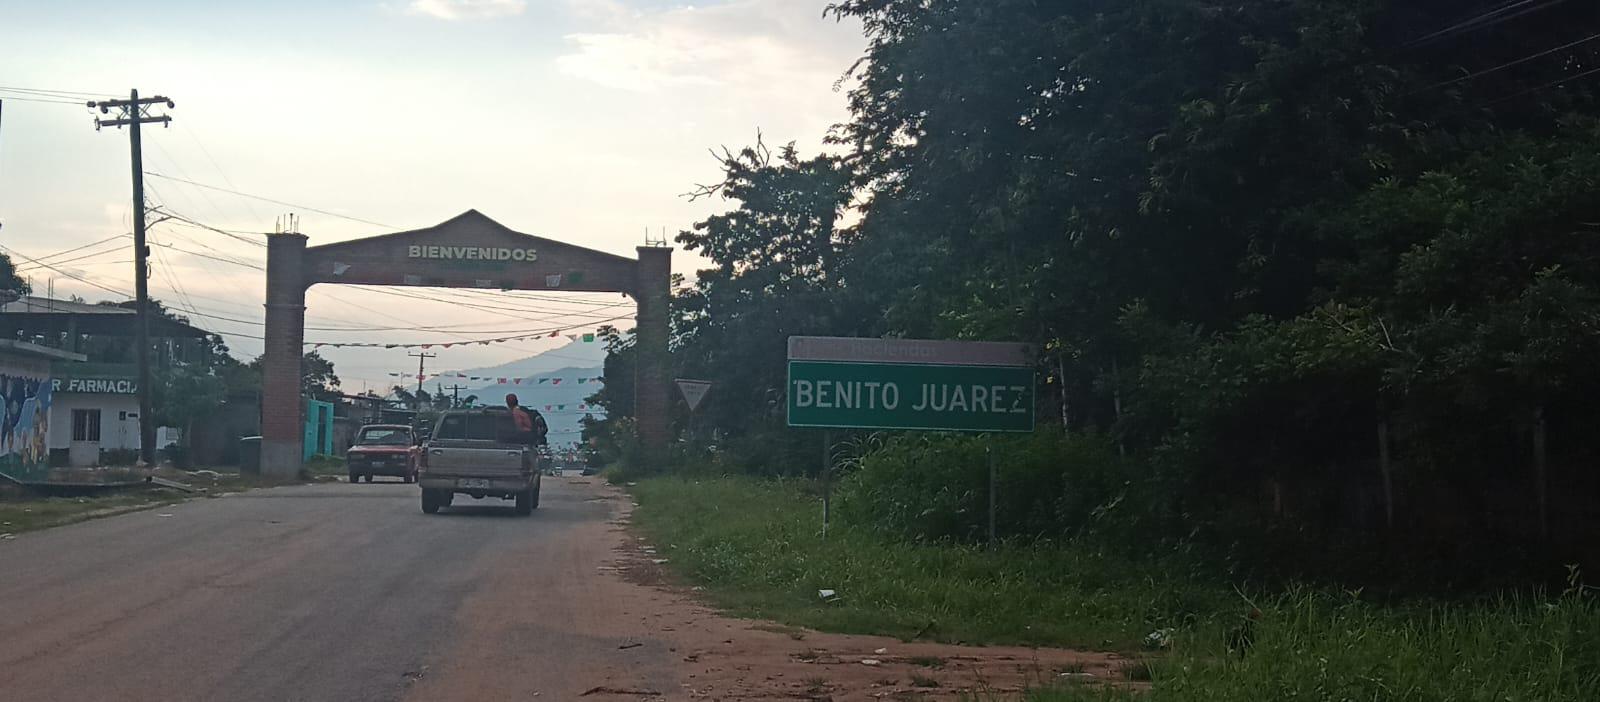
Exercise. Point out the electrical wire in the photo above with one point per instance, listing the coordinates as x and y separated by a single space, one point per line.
43 91
168 211
73 276
1517 62
45 100
1538 88
194 136
267 199
74 259
1485 20
85 246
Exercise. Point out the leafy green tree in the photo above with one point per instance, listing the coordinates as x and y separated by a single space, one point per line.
317 377
1248 239
777 267
11 284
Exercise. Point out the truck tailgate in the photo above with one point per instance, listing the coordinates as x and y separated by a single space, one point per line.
481 461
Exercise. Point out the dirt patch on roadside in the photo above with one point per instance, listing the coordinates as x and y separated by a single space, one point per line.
585 610
733 659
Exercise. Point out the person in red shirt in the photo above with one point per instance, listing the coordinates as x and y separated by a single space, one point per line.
519 416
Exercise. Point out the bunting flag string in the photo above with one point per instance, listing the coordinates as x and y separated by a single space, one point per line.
598 380
586 337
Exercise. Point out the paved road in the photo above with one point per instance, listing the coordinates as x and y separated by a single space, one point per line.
325 592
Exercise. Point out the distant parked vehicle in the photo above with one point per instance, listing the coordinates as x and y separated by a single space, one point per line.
383 449
477 453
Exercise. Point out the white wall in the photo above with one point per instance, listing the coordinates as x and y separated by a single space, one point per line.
114 433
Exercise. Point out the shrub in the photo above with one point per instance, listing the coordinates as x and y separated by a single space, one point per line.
936 487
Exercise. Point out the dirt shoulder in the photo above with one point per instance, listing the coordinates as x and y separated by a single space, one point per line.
738 659
625 632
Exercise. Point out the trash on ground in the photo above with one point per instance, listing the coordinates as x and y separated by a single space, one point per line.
870 661
603 690
1160 638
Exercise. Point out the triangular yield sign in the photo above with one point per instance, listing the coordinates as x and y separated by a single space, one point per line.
693 391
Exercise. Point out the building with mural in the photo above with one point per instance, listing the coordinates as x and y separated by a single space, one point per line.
92 408
27 407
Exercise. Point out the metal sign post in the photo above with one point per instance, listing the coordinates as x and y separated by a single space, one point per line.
988 454
827 479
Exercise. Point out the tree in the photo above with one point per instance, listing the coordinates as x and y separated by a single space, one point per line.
777 265
1249 238
1256 237
317 377
11 284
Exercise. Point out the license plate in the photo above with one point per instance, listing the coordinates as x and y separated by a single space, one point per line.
472 483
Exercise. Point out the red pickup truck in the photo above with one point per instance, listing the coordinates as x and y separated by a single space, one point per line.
383 449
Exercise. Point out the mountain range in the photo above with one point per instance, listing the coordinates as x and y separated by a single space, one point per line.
570 374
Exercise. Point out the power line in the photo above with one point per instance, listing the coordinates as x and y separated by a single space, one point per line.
1538 88
268 199
79 103
85 246
74 259
194 136
168 211
166 272
1517 62
211 257
1502 14
43 91
78 278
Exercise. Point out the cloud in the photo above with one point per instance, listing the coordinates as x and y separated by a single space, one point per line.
747 45
466 9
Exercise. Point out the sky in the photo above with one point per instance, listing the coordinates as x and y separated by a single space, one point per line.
584 121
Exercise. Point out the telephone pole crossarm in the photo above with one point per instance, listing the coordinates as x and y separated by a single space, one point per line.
132 111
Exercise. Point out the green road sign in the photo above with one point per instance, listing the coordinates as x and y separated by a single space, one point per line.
901 384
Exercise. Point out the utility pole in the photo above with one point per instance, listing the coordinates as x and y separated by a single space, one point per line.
455 394
422 358
132 113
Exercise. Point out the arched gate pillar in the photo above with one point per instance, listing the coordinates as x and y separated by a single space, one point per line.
651 386
282 430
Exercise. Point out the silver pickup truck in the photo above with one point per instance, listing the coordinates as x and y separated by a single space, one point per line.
475 452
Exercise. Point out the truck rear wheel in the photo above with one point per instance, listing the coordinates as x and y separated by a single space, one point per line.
526 502
430 501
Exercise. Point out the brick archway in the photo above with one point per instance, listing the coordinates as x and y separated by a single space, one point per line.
467 251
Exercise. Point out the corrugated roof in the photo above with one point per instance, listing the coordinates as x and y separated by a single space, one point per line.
43 305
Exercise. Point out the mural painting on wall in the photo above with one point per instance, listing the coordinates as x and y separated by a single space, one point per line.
24 422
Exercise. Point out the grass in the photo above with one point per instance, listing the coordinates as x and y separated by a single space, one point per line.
757 548
325 465
29 512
